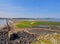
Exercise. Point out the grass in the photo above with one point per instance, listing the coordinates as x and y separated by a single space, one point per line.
50 39
25 24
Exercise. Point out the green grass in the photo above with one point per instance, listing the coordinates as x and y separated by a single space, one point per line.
23 24
35 23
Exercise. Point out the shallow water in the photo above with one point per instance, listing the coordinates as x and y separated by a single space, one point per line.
2 22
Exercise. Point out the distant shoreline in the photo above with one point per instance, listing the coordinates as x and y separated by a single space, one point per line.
37 19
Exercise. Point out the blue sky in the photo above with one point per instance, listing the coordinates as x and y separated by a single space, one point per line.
30 8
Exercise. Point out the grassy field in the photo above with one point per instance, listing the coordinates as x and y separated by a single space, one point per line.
49 39
25 24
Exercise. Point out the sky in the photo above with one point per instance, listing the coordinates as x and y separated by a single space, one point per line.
30 8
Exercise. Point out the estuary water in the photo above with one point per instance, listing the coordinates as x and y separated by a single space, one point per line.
2 22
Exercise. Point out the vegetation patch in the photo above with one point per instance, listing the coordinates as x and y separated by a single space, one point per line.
49 39
25 24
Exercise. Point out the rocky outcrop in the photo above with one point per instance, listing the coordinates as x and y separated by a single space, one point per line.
16 38
22 38
4 39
